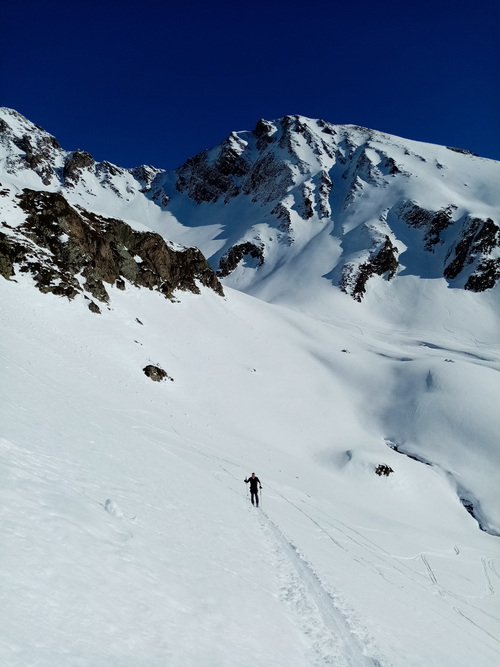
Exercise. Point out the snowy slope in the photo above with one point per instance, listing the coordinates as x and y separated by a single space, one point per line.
128 537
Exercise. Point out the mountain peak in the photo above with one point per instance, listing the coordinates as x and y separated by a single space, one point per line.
428 210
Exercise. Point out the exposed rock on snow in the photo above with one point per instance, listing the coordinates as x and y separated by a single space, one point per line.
74 166
432 222
235 254
156 373
383 261
69 249
383 469
479 239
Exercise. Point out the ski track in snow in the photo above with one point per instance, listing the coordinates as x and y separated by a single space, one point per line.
325 624
398 573
488 563
432 576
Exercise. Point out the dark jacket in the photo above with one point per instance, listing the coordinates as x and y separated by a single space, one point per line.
253 483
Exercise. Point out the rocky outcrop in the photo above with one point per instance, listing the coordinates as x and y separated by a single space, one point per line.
38 153
235 254
479 241
355 276
206 177
264 131
69 250
28 147
74 166
156 373
325 186
383 469
431 222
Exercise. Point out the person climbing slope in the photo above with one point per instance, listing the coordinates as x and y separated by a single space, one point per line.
254 481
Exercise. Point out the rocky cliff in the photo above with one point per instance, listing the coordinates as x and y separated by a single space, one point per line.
68 249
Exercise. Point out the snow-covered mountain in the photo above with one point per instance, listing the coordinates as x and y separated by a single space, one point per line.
381 205
352 327
350 203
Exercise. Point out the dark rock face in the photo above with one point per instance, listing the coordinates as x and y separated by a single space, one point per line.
235 254
156 373
433 222
205 178
464 151
75 164
479 238
383 261
268 180
69 250
38 153
325 187
263 131
383 469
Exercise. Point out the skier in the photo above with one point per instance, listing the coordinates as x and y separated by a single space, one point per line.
253 488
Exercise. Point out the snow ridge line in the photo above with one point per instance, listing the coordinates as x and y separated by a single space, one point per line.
335 621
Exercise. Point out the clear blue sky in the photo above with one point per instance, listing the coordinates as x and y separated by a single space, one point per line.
156 81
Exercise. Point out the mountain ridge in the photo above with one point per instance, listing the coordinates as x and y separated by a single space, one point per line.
287 173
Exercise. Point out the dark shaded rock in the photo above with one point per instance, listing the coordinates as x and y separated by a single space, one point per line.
269 179
388 166
433 222
235 254
58 242
327 128
485 277
264 131
385 260
11 253
283 214
38 152
291 125
205 179
383 469
201 181
305 205
156 373
93 307
479 239
75 164
325 187
146 176
464 151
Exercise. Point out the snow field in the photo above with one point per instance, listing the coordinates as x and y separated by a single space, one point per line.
127 532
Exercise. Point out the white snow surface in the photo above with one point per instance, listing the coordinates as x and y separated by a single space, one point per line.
128 536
